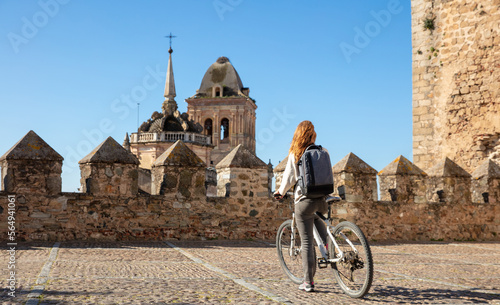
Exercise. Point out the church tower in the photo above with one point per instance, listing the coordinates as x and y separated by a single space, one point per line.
163 129
223 108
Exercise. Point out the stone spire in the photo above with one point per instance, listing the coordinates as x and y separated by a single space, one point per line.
126 142
169 105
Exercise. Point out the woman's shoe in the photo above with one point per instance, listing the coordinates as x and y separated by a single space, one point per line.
307 287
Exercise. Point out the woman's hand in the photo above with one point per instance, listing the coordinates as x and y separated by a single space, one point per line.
277 195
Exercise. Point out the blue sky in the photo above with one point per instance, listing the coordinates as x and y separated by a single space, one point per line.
73 71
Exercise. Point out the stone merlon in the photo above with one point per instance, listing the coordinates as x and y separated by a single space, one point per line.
447 168
353 164
241 157
179 155
487 169
281 166
31 147
401 166
109 151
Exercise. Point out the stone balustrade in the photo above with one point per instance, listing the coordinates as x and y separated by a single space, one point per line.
186 137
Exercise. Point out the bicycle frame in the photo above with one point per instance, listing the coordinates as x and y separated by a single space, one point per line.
319 241
321 245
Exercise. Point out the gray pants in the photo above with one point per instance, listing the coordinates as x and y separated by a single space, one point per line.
305 215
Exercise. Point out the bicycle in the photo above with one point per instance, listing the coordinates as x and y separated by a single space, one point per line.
347 251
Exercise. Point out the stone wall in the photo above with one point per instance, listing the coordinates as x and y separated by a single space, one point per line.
414 206
111 179
445 204
242 182
403 221
456 81
76 216
188 182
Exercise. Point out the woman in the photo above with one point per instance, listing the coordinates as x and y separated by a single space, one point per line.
305 208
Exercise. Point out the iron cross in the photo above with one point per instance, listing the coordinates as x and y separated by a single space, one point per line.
170 37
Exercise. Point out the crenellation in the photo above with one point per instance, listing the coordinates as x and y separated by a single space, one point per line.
279 170
178 173
109 170
449 183
242 174
184 211
355 180
486 183
31 166
402 181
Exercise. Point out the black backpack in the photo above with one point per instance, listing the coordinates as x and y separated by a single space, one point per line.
315 172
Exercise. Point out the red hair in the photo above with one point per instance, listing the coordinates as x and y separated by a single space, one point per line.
303 137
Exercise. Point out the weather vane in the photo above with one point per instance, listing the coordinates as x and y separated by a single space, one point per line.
170 37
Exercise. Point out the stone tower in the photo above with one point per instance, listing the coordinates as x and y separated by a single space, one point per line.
456 81
224 110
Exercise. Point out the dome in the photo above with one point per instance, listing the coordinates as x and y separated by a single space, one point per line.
222 75
175 122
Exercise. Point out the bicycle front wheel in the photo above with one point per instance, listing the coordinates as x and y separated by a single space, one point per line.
354 272
289 251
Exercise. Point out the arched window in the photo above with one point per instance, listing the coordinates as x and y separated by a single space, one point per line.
224 130
217 91
208 128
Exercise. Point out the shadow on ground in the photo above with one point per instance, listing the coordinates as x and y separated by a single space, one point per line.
392 294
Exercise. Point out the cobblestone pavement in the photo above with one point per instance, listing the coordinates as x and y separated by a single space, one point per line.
242 272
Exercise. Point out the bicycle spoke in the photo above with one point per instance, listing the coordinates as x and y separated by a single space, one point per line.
344 275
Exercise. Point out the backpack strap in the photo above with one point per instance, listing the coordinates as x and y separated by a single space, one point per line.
307 148
314 146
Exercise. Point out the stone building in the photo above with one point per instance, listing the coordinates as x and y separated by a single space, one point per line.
456 82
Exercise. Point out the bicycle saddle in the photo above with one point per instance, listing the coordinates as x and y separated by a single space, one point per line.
332 199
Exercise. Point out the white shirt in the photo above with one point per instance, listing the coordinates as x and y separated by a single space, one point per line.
289 179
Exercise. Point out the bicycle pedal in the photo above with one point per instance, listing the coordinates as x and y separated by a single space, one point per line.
322 263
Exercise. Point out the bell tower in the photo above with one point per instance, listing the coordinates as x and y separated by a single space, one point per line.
223 108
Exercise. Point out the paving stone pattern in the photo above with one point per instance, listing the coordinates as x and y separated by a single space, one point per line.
242 272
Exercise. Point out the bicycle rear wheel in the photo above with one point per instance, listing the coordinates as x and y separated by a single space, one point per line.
289 251
354 272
